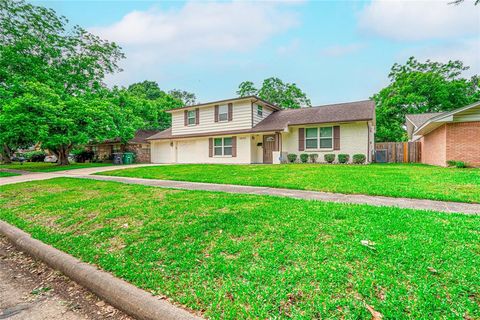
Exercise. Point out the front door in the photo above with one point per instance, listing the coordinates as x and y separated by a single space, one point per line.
268 147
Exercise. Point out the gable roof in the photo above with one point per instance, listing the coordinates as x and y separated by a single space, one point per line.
280 120
443 117
420 118
257 99
340 112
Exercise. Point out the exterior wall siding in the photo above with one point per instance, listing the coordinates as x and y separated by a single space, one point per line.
196 151
256 118
463 142
354 138
434 147
242 119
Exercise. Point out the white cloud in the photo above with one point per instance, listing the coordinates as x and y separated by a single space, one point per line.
341 50
420 20
198 27
467 51
289 48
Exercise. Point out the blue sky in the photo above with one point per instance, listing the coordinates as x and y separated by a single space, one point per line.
336 51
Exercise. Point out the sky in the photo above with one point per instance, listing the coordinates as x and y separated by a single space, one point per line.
335 51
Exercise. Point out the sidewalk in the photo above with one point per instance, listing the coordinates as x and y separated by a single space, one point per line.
86 173
443 206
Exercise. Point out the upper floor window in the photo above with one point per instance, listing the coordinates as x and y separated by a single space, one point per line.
192 117
222 146
260 111
319 138
223 113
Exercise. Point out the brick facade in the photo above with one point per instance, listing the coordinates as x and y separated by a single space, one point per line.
434 147
463 142
452 141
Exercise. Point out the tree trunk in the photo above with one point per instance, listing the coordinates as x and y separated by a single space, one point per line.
62 155
7 154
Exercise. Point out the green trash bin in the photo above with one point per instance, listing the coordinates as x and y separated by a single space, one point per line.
127 158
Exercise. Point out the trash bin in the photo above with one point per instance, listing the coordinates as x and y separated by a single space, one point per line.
117 158
128 158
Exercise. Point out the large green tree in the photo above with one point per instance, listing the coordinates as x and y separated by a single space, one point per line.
285 95
149 103
63 68
420 87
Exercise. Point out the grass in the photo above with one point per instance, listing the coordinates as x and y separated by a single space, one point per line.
8 174
50 167
393 180
245 256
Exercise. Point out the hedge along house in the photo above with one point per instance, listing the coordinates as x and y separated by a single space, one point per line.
452 135
252 130
138 145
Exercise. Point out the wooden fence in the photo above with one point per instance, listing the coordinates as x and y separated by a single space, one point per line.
402 152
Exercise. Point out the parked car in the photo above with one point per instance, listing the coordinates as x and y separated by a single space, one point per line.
51 159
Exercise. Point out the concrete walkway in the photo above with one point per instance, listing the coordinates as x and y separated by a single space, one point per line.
86 173
443 206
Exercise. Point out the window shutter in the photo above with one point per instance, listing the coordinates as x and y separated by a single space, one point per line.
185 117
230 111
197 116
301 139
336 138
210 147
216 113
234 146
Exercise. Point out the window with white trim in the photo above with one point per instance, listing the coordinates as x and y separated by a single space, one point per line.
319 138
192 117
223 113
222 147
260 111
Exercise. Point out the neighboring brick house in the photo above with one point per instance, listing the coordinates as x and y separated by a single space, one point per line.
138 144
452 135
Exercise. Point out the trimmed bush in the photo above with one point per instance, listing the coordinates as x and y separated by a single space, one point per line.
460 164
292 157
313 158
81 155
343 158
304 157
35 156
451 163
329 157
359 158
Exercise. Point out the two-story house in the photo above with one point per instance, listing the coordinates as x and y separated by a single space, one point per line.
252 130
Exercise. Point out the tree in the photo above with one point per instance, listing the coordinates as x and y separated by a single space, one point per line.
186 97
149 103
417 87
64 68
286 95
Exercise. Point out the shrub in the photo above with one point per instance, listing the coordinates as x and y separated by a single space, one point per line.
329 157
80 155
292 157
343 158
304 157
35 156
460 164
451 163
313 157
359 158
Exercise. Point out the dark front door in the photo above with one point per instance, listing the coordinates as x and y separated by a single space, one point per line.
268 148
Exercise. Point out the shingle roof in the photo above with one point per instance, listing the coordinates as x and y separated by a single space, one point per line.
140 137
279 120
271 105
341 112
421 118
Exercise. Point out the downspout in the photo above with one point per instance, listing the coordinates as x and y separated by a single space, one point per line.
368 143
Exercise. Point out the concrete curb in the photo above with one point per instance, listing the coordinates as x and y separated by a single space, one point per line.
120 294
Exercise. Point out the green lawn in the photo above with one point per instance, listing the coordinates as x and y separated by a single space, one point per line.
246 256
8 174
49 167
393 180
